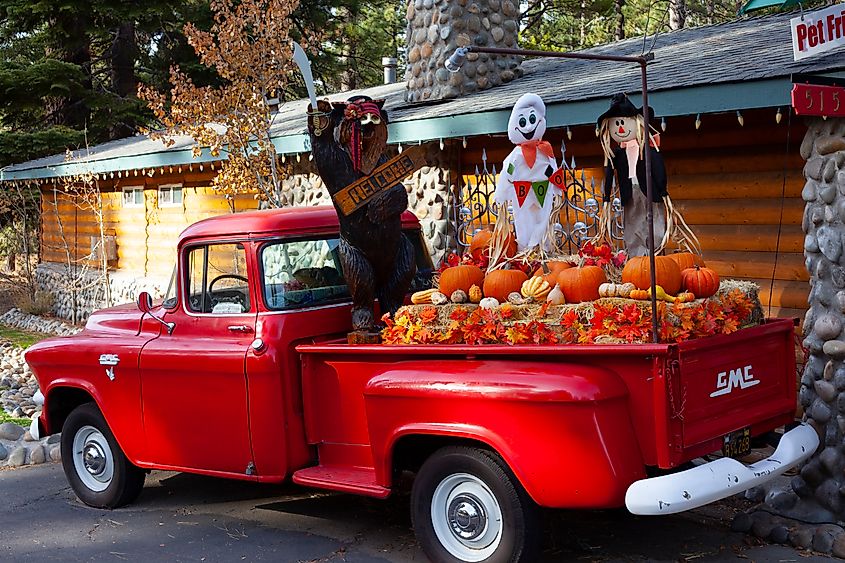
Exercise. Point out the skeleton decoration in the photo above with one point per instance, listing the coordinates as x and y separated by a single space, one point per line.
623 137
348 141
530 177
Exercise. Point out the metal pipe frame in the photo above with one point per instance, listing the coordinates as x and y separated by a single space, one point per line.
643 62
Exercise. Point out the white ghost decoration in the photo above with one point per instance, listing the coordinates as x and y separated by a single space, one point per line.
524 179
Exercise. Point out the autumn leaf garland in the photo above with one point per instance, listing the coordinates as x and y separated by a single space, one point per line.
608 320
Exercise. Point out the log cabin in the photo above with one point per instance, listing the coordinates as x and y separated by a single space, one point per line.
721 97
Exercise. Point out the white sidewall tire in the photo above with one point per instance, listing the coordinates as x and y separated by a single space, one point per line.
95 466
468 507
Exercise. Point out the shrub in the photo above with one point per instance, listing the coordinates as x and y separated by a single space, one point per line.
40 304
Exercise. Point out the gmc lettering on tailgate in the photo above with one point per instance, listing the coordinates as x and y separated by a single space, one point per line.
728 381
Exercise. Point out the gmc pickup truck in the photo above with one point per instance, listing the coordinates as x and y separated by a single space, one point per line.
252 330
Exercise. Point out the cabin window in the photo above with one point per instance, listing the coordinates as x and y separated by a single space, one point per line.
302 273
217 279
170 195
133 196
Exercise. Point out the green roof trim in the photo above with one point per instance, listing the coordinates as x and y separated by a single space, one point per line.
715 98
754 5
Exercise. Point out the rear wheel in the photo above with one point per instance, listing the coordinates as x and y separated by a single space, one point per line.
96 468
467 506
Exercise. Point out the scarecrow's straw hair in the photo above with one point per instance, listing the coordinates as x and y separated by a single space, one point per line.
604 137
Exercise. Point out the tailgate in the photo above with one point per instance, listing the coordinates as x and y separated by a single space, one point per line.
710 387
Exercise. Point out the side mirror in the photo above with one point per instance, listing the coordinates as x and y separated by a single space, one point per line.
145 304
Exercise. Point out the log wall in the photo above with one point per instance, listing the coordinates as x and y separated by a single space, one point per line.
145 235
738 187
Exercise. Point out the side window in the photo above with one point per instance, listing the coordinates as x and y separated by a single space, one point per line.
217 279
170 297
303 273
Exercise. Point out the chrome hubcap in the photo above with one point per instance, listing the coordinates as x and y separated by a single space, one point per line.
93 459
466 515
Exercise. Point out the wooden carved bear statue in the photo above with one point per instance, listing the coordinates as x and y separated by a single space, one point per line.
348 141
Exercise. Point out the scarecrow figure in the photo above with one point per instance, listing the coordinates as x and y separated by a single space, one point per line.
623 137
348 141
526 172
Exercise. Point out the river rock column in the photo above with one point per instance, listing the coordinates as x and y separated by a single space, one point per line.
437 27
821 482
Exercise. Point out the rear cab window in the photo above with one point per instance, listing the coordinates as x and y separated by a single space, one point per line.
306 272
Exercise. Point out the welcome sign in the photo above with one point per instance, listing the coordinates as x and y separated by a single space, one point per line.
818 32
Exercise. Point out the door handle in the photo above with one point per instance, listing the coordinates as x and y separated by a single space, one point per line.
240 328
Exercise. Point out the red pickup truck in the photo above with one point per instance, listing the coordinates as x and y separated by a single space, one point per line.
248 349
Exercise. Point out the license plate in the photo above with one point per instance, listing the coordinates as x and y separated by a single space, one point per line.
737 443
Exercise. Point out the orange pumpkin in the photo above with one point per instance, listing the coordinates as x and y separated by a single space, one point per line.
581 284
479 246
701 282
687 259
637 271
501 283
555 268
461 277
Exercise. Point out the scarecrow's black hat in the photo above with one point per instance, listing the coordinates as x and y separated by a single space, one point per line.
651 115
620 106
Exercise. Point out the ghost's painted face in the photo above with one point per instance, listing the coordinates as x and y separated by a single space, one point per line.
526 123
528 120
622 129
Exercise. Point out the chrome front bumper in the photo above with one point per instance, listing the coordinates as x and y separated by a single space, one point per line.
670 494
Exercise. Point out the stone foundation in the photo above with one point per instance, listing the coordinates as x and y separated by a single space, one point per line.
124 287
437 27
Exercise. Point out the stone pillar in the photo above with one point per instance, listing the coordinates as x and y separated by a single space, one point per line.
437 27
821 482
431 192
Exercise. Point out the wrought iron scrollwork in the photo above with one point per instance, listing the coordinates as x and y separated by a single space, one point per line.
577 213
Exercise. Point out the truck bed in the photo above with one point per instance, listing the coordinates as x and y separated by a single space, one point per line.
683 398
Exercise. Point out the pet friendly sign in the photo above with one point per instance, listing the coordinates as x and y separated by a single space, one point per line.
818 32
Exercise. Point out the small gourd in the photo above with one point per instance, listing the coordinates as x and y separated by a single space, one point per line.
516 298
684 297
438 298
475 294
537 288
555 296
489 303
639 294
458 296
661 294
616 289
423 297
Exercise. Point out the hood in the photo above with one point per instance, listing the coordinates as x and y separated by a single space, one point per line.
118 319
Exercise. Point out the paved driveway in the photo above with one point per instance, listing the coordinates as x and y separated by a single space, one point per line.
183 517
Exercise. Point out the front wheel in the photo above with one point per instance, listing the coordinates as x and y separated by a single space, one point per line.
467 506
96 468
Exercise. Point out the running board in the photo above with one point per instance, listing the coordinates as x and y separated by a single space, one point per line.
355 480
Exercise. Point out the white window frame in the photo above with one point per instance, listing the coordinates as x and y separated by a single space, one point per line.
172 188
133 203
